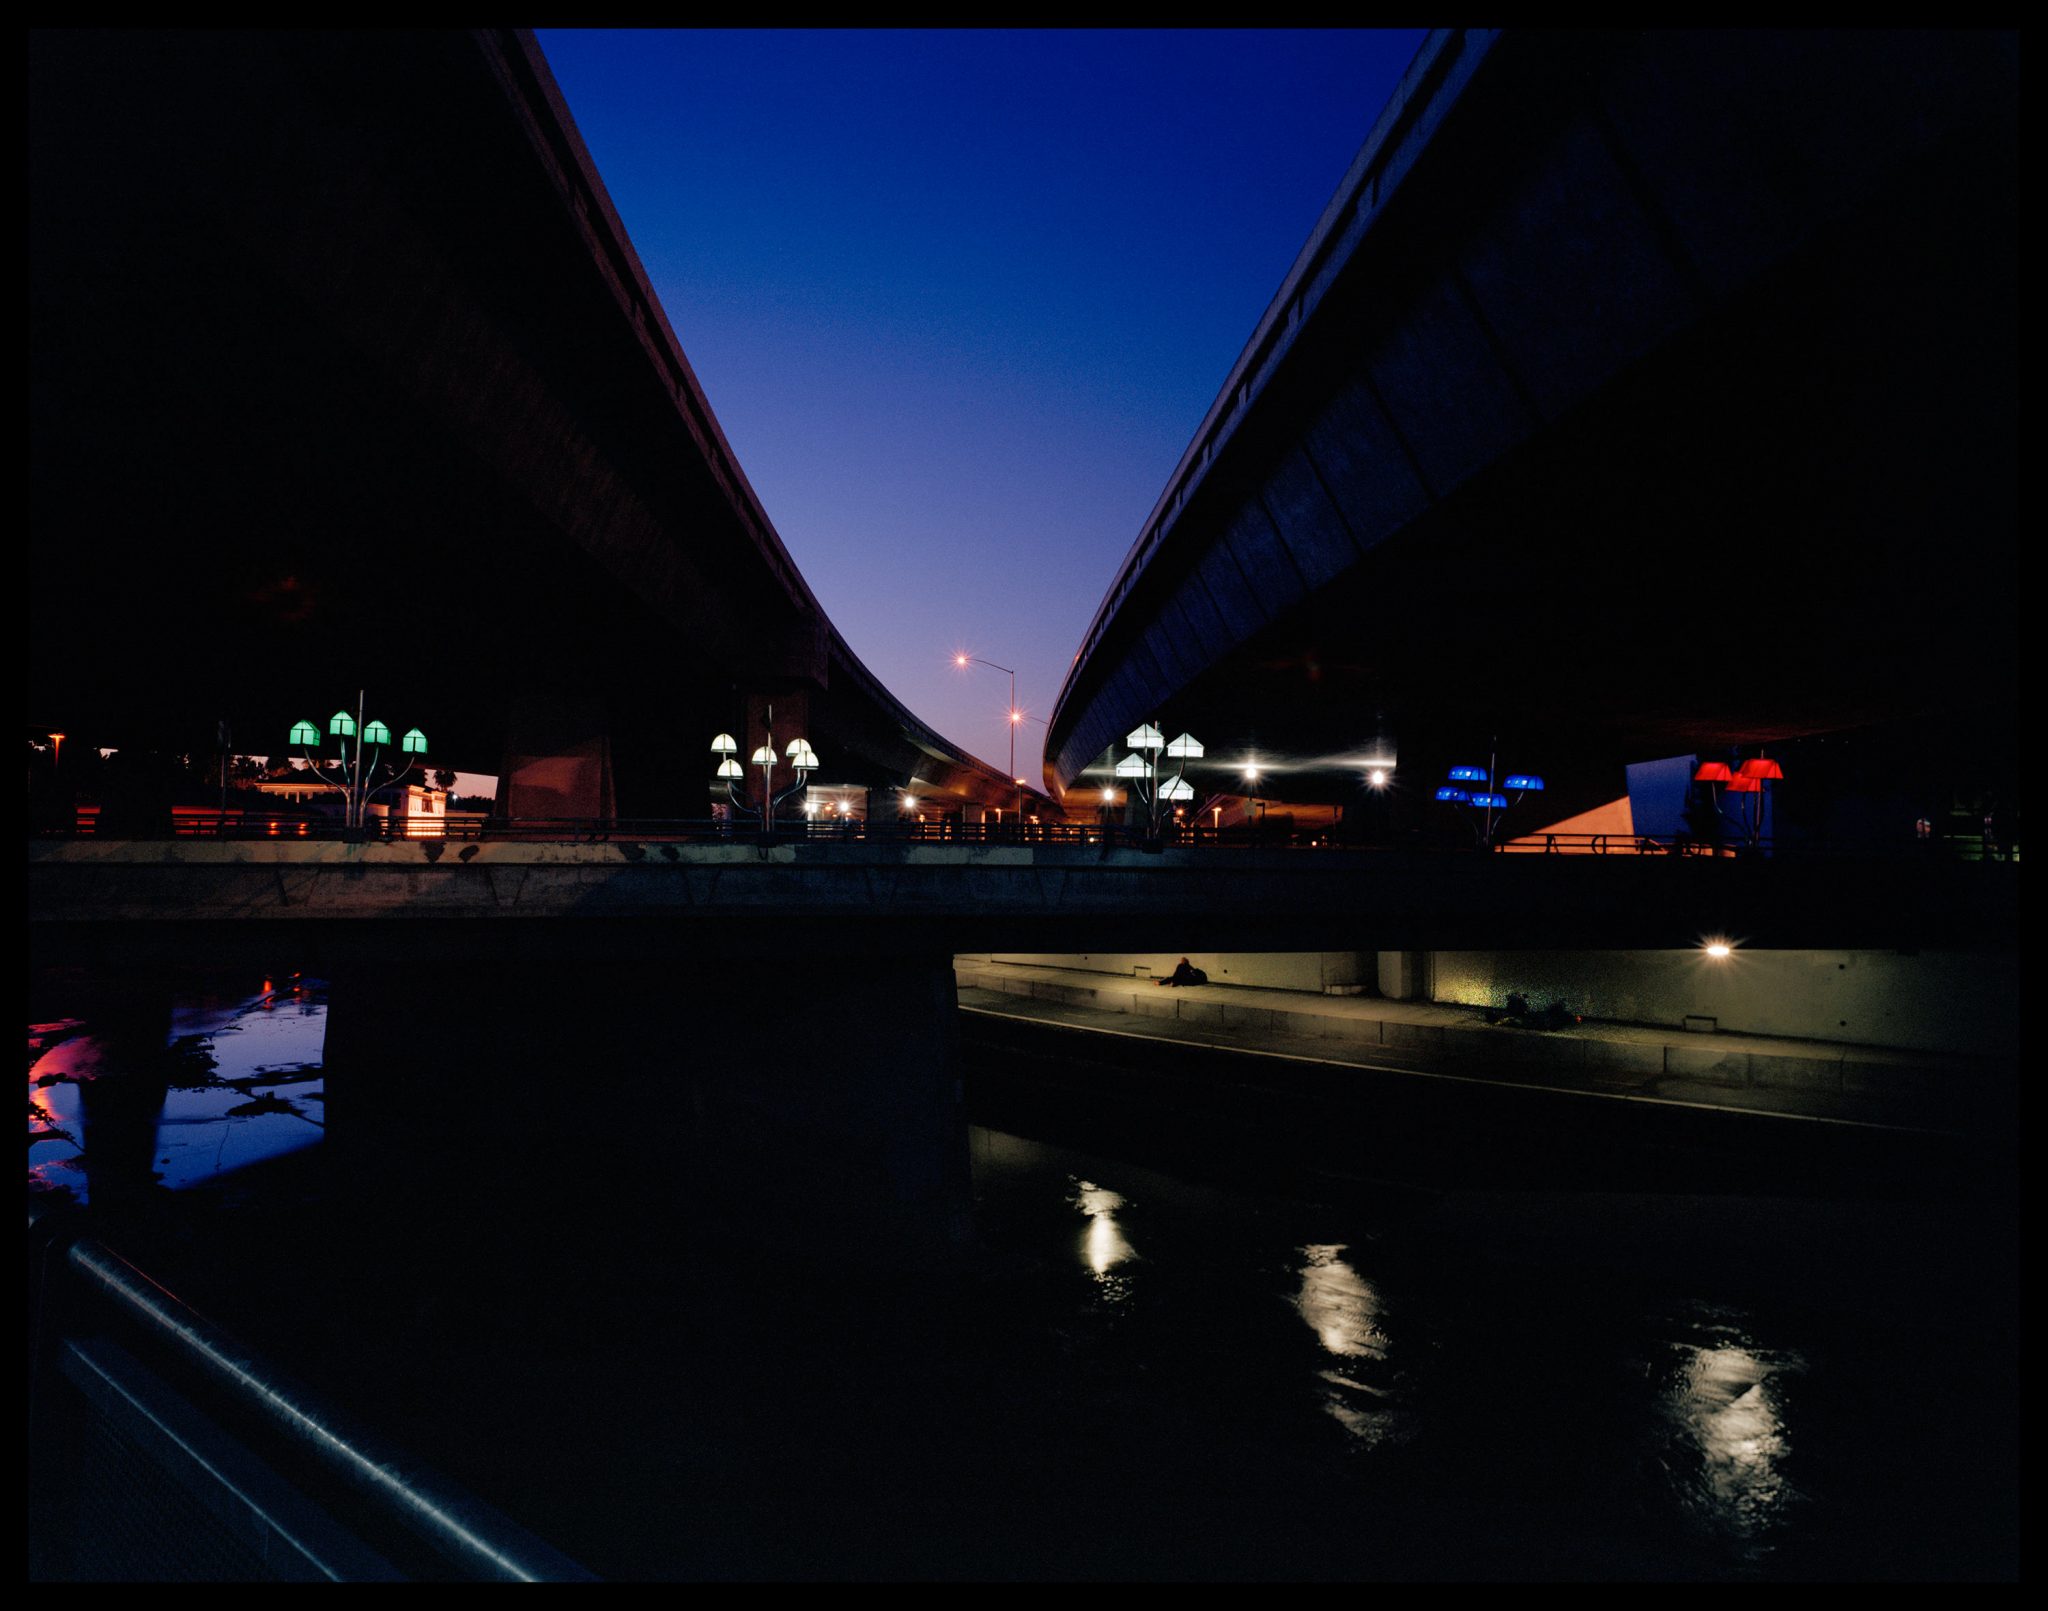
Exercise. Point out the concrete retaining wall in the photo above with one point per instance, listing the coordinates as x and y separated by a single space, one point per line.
1928 1001
1268 970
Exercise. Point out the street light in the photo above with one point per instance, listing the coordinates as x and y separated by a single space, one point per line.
1016 716
1483 798
356 779
1141 768
798 752
1746 779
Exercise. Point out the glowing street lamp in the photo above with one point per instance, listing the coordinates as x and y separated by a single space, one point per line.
802 759
1141 769
1460 791
1747 779
964 660
355 778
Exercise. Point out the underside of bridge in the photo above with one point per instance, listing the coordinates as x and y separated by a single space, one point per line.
1668 401
345 376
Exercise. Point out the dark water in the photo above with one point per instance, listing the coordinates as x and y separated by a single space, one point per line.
1150 1371
214 1079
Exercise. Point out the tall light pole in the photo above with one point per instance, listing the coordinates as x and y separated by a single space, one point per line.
1015 715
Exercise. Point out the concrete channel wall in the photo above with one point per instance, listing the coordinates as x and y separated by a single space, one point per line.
1948 1002
1604 1053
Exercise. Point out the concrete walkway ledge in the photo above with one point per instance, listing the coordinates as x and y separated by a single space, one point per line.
1596 1053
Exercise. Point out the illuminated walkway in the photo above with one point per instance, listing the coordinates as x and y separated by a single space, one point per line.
1766 1075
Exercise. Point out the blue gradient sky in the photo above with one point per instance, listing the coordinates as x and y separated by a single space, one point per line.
960 300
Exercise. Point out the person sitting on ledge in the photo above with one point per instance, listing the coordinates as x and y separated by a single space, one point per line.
1186 974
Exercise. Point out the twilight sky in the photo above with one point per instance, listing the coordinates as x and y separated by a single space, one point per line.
960 299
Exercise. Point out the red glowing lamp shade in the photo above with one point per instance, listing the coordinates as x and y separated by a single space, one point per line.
1760 766
1741 783
1712 772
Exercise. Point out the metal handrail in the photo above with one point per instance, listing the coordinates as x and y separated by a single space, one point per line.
473 1536
475 827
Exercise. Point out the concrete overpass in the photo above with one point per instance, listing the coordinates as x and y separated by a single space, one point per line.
1636 393
345 375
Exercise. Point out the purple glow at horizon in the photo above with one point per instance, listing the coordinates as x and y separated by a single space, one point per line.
960 299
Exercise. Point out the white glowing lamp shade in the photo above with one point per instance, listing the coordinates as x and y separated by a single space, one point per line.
724 744
729 768
807 759
1178 789
1185 748
1147 737
1131 766
764 756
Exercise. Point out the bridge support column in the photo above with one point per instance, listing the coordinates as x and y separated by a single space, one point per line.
802 1103
558 759
1404 975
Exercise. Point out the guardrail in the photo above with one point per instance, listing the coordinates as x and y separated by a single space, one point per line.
163 1449
474 827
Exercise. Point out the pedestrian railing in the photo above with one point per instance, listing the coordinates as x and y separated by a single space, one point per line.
162 1449
471 827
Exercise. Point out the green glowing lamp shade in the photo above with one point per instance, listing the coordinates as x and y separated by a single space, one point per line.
414 742
342 725
305 733
376 733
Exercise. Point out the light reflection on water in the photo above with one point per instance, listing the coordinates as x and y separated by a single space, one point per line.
1660 1407
1342 1309
1723 1401
1104 1245
240 1081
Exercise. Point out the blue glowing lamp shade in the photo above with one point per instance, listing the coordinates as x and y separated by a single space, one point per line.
342 725
376 733
305 733
1522 780
414 742
1455 796
1468 774
1499 802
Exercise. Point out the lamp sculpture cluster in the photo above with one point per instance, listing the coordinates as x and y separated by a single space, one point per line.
798 753
350 772
1141 770
1748 780
1471 788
